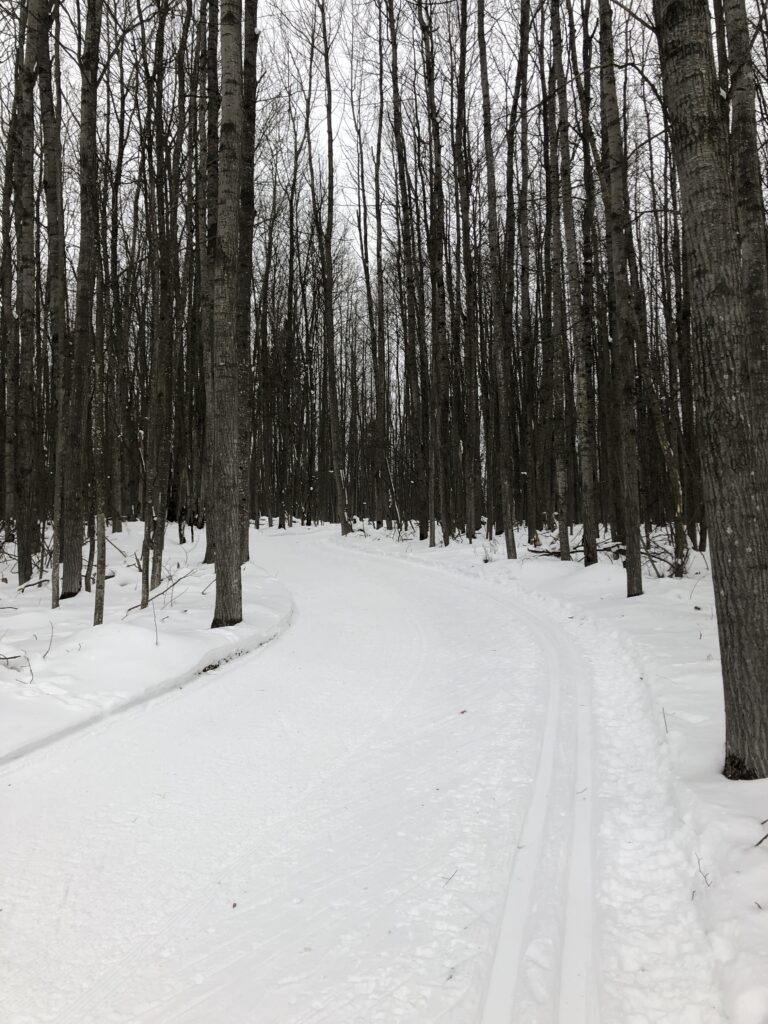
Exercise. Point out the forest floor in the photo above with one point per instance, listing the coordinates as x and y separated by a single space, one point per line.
456 789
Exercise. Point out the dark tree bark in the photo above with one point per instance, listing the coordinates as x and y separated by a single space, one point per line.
60 338
501 343
558 337
625 325
750 207
76 477
324 229
734 458
245 267
440 455
411 320
579 304
211 165
227 370
23 167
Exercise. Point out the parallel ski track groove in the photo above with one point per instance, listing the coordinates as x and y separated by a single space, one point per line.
575 995
576 998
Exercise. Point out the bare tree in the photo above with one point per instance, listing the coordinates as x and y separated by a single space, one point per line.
226 355
734 456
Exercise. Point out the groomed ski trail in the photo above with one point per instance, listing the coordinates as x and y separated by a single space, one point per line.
433 799
563 784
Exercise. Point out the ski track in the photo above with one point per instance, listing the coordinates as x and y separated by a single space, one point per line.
433 799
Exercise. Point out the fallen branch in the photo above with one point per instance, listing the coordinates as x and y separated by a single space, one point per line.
161 592
33 583
50 642
650 558
123 553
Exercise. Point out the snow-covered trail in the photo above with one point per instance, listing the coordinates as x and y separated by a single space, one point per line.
429 800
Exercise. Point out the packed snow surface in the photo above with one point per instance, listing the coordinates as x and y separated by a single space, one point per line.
444 793
58 674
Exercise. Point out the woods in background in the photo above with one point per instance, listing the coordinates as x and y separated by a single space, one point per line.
466 265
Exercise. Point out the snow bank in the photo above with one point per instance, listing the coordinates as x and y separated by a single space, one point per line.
668 639
58 673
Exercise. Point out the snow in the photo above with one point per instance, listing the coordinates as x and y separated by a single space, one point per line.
665 644
448 792
58 674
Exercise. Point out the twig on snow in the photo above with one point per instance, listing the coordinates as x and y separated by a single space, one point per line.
33 583
161 592
123 553
50 642
703 873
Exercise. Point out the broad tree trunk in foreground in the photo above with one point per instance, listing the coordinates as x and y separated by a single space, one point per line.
750 208
226 362
734 466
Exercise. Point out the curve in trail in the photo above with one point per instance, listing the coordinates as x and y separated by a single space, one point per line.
327 831
266 618
605 928
322 830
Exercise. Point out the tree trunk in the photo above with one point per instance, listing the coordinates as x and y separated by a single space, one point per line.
501 346
750 208
245 268
72 532
60 339
440 463
624 322
579 308
226 357
23 166
734 463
